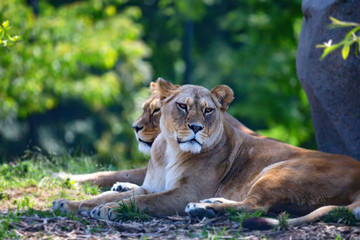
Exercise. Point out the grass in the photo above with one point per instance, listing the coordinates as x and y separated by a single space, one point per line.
340 215
130 213
240 216
27 188
6 230
283 218
91 190
30 178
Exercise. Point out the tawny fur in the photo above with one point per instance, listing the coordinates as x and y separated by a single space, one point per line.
256 172
149 121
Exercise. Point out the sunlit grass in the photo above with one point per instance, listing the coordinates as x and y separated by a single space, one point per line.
30 179
27 187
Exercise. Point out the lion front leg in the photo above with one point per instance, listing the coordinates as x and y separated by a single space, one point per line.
158 204
107 178
84 207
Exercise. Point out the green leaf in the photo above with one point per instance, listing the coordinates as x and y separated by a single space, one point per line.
345 51
350 34
329 50
335 23
5 24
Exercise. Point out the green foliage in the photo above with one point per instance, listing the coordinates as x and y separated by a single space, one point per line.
6 227
6 40
24 203
88 51
248 45
21 169
39 213
17 174
2 196
93 53
240 216
74 49
204 232
338 237
340 215
91 190
350 38
282 218
69 184
130 213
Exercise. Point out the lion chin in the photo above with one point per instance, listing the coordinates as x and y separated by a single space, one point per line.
190 146
144 148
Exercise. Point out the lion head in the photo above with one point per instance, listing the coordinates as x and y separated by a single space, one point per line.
147 127
192 115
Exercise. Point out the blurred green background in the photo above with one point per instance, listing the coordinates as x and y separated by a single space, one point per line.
76 81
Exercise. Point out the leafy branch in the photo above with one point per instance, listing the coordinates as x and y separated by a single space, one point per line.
6 40
349 39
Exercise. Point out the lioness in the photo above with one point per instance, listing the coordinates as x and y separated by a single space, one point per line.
199 155
146 129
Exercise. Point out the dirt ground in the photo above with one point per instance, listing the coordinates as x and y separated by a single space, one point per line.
169 228
46 225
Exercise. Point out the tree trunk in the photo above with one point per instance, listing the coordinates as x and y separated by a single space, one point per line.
333 84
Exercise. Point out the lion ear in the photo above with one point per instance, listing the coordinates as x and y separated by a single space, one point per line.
224 95
165 88
153 87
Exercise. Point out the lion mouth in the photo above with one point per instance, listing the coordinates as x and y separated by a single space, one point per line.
147 143
192 141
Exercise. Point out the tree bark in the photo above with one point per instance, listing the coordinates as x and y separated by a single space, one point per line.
333 84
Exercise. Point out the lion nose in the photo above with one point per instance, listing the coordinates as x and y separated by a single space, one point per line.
137 128
195 127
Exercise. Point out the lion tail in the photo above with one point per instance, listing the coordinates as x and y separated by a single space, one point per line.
270 223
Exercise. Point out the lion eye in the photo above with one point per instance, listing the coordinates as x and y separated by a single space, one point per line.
182 106
156 110
208 110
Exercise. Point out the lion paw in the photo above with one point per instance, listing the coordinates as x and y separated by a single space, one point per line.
65 206
105 211
124 187
356 213
96 211
200 210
